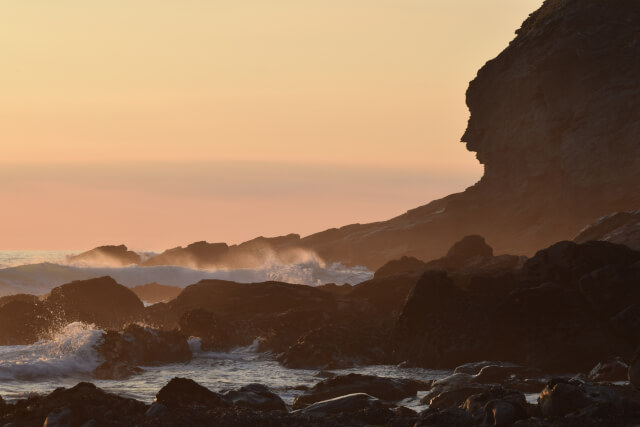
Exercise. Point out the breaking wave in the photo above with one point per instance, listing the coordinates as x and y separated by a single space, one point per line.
70 352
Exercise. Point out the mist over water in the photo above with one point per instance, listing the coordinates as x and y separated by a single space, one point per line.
37 272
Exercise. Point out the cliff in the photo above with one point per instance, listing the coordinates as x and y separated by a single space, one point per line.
555 120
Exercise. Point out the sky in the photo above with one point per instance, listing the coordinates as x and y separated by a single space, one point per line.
157 123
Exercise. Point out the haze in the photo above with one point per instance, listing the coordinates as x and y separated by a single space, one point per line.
157 123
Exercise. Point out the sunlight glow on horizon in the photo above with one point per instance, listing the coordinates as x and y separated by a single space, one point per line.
377 87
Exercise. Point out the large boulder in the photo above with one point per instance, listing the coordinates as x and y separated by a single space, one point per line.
24 319
101 301
184 392
256 396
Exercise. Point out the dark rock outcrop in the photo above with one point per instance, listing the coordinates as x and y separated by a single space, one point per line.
101 301
387 389
112 256
137 345
609 371
24 319
184 392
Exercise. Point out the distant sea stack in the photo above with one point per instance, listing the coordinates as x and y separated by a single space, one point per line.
111 255
555 120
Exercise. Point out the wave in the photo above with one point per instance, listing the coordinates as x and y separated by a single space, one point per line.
40 278
69 353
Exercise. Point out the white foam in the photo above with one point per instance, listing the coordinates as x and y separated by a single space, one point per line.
40 278
71 352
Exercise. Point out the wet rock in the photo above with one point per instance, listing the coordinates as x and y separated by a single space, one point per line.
215 333
497 407
59 418
138 345
256 396
184 392
156 409
23 320
609 371
335 347
100 301
561 397
350 403
452 391
473 368
388 389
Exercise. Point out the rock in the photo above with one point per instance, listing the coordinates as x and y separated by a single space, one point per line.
153 293
138 345
106 256
24 319
610 289
619 227
388 389
256 396
497 407
609 371
80 405
452 390
336 347
184 392
561 397
473 368
402 265
450 417
344 404
215 333
545 114
157 409
100 301
514 377
470 247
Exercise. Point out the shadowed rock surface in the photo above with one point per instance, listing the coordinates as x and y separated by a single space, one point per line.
153 293
620 227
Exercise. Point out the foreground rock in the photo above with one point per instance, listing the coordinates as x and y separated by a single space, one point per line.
387 389
136 345
568 308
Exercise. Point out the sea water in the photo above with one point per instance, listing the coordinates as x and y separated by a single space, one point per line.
70 357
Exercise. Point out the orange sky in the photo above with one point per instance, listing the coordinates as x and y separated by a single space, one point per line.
156 123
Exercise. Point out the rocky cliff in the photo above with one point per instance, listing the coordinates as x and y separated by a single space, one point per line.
555 120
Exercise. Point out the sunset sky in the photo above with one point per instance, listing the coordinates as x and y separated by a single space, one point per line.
157 123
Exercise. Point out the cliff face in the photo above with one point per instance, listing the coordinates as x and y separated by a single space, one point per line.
555 120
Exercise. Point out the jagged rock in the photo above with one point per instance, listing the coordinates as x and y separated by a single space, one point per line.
388 389
184 392
634 370
619 227
137 345
195 255
111 256
101 301
256 396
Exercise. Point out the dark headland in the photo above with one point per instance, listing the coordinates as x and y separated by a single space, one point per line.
487 282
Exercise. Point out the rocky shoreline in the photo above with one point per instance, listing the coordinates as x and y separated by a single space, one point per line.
462 399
